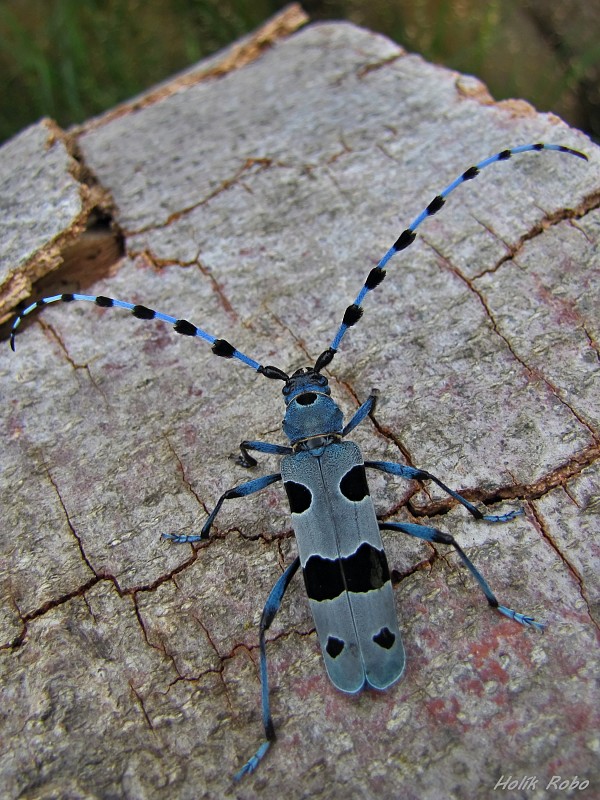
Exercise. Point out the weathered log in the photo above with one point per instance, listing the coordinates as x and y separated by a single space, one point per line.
253 201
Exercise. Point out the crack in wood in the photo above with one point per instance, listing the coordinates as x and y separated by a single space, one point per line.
534 372
249 165
547 536
548 221
184 478
76 536
140 702
374 66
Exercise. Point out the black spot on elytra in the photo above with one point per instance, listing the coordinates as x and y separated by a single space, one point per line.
354 485
299 497
334 646
363 571
385 638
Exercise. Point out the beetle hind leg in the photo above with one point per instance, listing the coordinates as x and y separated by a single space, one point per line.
268 615
436 536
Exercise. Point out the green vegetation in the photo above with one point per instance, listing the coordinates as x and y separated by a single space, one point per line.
72 59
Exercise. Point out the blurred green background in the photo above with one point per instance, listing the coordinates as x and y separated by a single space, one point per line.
72 59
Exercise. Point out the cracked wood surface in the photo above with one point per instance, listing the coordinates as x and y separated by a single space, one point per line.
44 205
254 204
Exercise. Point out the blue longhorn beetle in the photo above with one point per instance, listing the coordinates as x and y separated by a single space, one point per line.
340 550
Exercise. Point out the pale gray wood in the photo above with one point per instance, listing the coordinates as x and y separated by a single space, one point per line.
254 205
43 206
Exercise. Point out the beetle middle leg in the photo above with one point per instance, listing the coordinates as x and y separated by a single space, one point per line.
412 473
243 490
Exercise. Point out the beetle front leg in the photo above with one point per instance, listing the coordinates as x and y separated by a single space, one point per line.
368 407
246 460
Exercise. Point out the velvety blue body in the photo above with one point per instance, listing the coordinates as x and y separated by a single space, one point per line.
341 553
345 570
